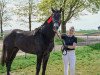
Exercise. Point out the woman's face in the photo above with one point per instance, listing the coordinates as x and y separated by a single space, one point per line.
71 31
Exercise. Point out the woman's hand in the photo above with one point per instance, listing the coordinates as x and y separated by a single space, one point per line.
72 47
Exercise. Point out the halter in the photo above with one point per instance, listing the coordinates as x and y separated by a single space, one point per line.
62 49
50 20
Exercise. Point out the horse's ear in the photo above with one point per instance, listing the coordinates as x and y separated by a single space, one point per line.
52 9
60 9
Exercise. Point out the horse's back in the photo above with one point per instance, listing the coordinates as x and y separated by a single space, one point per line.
12 34
24 40
27 41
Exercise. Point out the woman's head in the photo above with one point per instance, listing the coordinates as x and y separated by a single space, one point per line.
71 30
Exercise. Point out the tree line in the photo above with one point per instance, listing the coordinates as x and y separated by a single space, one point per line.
29 11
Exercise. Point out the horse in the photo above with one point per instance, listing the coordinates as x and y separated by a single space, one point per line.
39 42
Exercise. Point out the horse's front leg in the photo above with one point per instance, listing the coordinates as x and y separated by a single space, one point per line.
8 67
45 60
39 60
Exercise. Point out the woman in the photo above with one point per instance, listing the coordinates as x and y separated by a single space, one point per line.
69 57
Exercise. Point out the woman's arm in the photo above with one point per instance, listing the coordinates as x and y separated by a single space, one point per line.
72 47
74 44
63 36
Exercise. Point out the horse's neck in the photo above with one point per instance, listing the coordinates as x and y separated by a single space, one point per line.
48 31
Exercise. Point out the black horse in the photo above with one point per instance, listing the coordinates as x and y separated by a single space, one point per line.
39 41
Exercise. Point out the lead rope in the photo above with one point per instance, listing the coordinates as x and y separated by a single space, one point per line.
63 47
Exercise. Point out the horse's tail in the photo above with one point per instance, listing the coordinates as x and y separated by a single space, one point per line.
3 58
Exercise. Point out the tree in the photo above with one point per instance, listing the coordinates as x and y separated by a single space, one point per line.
30 13
94 6
2 12
71 8
25 10
5 15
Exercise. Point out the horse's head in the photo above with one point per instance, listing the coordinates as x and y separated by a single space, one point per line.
56 18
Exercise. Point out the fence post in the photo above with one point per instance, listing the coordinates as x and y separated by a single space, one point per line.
87 40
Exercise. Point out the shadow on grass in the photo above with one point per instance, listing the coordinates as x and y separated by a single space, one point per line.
95 46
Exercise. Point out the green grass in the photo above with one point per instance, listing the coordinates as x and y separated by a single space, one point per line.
88 59
80 40
87 63
1 38
95 46
88 31
19 61
57 41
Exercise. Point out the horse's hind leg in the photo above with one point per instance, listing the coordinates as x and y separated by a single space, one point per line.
11 53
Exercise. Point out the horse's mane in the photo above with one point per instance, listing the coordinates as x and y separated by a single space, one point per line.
40 27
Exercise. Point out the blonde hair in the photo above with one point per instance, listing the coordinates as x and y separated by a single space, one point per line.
72 28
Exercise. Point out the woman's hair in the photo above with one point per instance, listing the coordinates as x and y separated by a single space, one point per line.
72 29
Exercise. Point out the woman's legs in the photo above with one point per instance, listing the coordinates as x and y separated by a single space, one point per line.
69 60
72 59
66 62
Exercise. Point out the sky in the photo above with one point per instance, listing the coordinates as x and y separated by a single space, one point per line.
85 22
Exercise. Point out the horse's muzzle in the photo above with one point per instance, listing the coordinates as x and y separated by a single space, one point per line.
56 26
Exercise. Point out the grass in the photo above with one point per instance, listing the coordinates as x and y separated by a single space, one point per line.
88 62
21 63
1 38
80 40
87 31
88 59
57 41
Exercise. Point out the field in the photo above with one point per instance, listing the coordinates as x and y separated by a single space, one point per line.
88 32
88 62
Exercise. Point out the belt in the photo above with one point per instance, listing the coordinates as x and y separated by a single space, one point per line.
70 49
65 52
